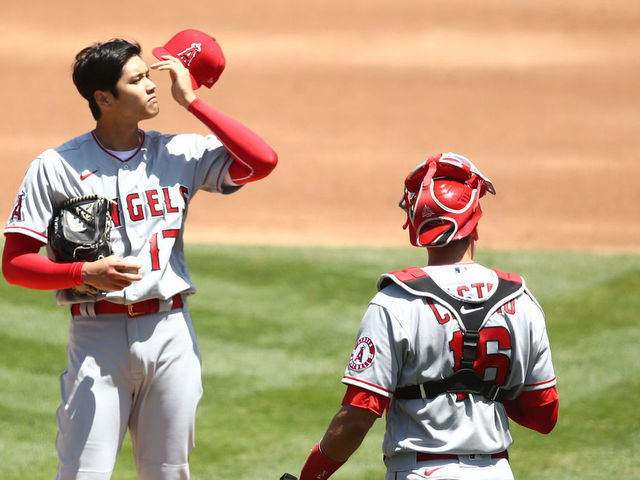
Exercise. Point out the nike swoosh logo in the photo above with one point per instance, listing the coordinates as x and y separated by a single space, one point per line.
84 176
428 472
469 310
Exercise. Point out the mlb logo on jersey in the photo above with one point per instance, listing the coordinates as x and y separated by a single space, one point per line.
363 354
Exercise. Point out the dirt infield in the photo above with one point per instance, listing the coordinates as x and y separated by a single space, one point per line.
542 95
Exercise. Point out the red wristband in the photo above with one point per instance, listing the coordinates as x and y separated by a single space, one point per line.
318 466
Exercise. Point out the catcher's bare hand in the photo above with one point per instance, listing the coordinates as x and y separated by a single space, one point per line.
180 79
110 273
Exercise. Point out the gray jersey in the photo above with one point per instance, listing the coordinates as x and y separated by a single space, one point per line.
151 190
407 339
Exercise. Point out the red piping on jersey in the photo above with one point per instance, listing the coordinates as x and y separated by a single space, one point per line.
112 155
540 383
366 383
9 230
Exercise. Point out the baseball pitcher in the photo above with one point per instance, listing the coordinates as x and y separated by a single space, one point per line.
450 350
110 206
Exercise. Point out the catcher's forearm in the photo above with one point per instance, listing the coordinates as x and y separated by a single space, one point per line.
22 265
346 432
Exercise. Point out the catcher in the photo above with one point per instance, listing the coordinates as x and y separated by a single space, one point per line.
450 351
110 205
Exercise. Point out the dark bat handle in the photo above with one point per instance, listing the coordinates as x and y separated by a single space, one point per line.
288 476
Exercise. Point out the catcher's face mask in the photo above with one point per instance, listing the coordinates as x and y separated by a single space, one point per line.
442 200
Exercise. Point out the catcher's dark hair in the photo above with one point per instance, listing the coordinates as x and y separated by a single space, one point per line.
99 66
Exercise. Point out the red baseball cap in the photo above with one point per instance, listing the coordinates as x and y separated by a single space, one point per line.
199 52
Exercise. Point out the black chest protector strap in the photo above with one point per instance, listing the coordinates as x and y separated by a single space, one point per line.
472 315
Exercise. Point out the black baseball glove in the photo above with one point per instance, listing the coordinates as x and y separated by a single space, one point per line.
80 231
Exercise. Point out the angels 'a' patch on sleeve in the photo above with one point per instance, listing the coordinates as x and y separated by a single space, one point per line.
363 354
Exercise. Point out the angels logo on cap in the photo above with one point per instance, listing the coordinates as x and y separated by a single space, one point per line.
189 54
199 52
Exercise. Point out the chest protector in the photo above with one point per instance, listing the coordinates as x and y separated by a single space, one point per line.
471 316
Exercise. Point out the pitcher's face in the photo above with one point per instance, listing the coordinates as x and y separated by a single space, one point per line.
136 92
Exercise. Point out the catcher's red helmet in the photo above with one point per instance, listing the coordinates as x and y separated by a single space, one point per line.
442 200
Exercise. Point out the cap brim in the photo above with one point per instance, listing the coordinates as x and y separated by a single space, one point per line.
159 52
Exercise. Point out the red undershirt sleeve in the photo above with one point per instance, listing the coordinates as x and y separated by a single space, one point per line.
537 409
253 157
361 398
22 265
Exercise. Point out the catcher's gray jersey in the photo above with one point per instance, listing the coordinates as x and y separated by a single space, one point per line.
406 339
151 190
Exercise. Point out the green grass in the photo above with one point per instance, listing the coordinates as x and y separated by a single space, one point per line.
276 326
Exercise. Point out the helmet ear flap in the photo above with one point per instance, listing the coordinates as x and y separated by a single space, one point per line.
418 180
